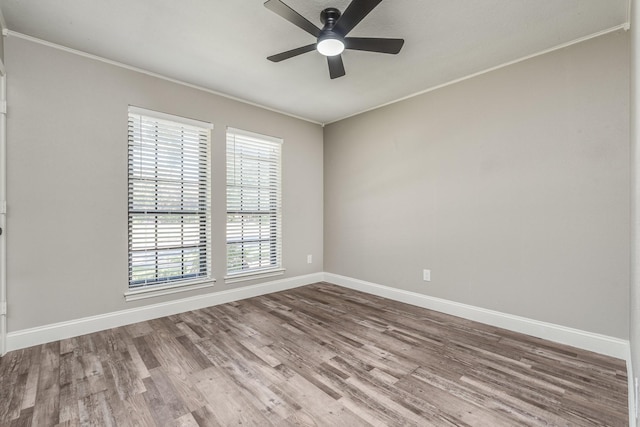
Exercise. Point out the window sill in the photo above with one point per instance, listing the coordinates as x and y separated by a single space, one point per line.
243 277
156 291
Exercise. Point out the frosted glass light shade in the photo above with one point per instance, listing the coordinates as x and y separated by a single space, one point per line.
330 47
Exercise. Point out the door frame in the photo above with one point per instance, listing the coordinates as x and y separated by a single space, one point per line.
3 209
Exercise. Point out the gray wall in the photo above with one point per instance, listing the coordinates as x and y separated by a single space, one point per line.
512 187
67 181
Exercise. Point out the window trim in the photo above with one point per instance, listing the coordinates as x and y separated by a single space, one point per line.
271 271
170 117
253 275
187 284
174 288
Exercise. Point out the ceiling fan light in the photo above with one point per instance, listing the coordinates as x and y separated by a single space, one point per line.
330 46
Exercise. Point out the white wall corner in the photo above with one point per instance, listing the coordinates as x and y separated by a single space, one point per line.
72 328
598 343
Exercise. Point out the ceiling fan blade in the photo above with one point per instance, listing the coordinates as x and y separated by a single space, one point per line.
292 16
291 53
354 13
336 67
374 44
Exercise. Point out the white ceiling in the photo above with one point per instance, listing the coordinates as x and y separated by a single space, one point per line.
222 45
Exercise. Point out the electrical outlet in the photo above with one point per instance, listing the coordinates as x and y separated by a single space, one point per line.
309 259
426 275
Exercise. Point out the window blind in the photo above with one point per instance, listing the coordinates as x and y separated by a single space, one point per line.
169 199
254 208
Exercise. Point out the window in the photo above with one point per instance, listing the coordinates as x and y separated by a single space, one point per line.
254 232
169 202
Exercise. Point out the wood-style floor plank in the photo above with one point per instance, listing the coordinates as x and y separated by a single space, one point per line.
318 355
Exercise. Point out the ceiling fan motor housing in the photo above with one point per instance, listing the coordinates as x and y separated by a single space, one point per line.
329 17
330 43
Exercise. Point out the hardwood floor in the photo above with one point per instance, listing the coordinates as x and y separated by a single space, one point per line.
319 355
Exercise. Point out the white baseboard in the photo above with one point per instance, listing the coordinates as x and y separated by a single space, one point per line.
631 392
598 343
72 328
603 344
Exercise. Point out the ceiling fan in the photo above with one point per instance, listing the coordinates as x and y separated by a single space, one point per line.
332 39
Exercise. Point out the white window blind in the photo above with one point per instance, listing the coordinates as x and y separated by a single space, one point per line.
254 232
169 202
